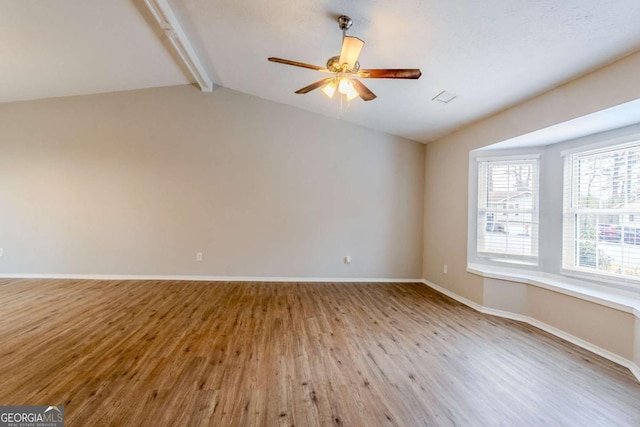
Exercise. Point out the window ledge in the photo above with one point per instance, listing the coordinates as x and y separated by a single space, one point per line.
619 299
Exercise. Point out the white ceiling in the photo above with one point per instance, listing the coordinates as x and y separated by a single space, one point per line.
616 117
491 54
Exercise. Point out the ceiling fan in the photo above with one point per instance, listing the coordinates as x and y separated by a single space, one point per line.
346 67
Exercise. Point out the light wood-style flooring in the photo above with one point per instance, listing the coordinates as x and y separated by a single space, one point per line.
161 353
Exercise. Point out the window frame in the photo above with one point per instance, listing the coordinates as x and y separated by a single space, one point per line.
521 261
571 211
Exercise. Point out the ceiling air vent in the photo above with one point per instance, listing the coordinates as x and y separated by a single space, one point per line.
444 97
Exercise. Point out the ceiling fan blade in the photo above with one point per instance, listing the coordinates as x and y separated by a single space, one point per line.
313 86
398 73
297 64
363 91
351 47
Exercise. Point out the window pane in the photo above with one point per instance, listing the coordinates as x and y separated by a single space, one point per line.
507 209
602 211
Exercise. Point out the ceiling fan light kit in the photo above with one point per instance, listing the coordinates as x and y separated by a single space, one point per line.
346 67
330 88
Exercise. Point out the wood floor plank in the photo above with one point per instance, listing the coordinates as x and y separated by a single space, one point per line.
171 353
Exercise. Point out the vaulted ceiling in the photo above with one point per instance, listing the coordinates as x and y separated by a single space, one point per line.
491 54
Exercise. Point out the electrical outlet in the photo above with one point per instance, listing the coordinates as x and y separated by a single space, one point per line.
347 259
445 269
199 256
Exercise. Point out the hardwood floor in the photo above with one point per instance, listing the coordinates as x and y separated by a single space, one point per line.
128 353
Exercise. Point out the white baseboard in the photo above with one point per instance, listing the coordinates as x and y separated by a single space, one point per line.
635 370
209 278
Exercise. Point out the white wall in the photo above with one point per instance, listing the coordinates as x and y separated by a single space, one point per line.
138 182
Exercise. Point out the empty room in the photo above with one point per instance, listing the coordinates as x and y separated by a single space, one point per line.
364 213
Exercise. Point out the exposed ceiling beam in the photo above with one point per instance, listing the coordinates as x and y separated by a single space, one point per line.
169 23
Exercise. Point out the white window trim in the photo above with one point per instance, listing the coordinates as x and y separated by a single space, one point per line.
525 262
620 281
602 143
507 158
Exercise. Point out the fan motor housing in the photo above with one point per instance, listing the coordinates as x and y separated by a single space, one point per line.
333 65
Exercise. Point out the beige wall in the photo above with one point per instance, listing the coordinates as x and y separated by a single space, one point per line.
636 348
605 327
447 162
138 182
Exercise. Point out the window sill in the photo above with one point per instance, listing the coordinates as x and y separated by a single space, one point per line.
509 263
626 301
